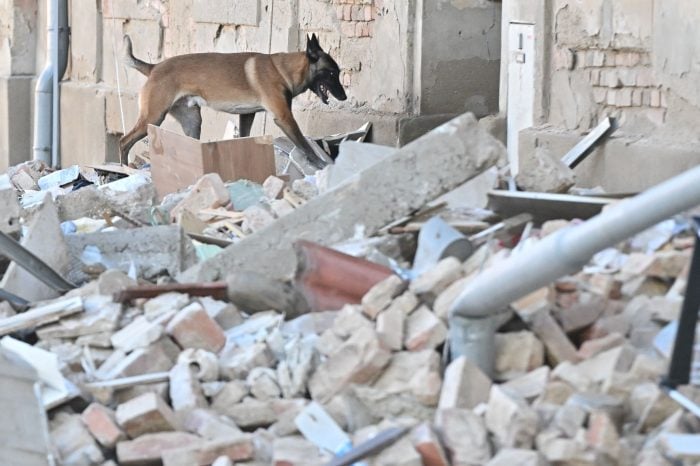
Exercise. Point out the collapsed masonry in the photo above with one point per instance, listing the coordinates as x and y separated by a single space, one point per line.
180 379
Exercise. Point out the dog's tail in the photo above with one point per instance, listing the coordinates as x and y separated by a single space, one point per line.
130 60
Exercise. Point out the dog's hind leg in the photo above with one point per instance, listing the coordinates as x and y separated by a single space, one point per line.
189 117
245 123
153 105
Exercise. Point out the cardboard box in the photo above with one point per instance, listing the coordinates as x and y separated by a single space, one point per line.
178 161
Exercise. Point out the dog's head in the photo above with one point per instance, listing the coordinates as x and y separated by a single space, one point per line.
323 71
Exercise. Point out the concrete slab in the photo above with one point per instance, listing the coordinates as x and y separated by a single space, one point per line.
151 250
45 239
619 165
388 190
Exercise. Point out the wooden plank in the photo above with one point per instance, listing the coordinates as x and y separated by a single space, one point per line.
251 158
41 315
176 160
223 213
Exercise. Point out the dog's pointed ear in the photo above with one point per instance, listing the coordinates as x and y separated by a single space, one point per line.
313 48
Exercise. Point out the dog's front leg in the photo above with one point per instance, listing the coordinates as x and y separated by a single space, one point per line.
286 122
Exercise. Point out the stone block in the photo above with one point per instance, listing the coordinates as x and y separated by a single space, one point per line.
517 456
380 296
209 425
83 127
238 448
242 13
263 385
231 394
140 333
72 441
148 448
361 358
296 451
424 330
465 386
517 353
86 55
464 435
102 425
193 328
145 414
208 193
390 327
513 423
542 171
534 310
530 385
413 372
15 119
236 363
435 280
140 361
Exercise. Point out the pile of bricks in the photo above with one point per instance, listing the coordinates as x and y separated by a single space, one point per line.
575 383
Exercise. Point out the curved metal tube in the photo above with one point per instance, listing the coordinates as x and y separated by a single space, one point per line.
566 252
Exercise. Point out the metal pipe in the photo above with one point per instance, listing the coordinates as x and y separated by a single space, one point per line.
569 249
46 107
61 61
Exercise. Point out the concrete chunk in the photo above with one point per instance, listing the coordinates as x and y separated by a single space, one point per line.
465 436
424 330
517 456
45 239
517 353
465 385
358 360
380 295
435 280
238 448
148 448
512 421
151 250
414 372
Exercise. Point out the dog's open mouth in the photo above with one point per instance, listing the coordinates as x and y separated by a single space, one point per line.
322 92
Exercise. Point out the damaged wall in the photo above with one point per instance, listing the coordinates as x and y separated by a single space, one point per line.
632 60
460 57
391 68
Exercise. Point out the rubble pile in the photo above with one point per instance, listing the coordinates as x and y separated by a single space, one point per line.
230 385
198 377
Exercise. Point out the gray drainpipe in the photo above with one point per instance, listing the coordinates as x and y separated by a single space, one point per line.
46 103
472 315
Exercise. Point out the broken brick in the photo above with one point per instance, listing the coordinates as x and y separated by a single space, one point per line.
102 425
464 386
193 328
145 414
424 330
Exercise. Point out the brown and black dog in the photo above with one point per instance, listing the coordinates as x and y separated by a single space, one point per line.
238 83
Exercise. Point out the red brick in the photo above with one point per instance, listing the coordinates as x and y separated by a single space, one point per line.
193 328
148 448
239 448
102 425
145 414
426 443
